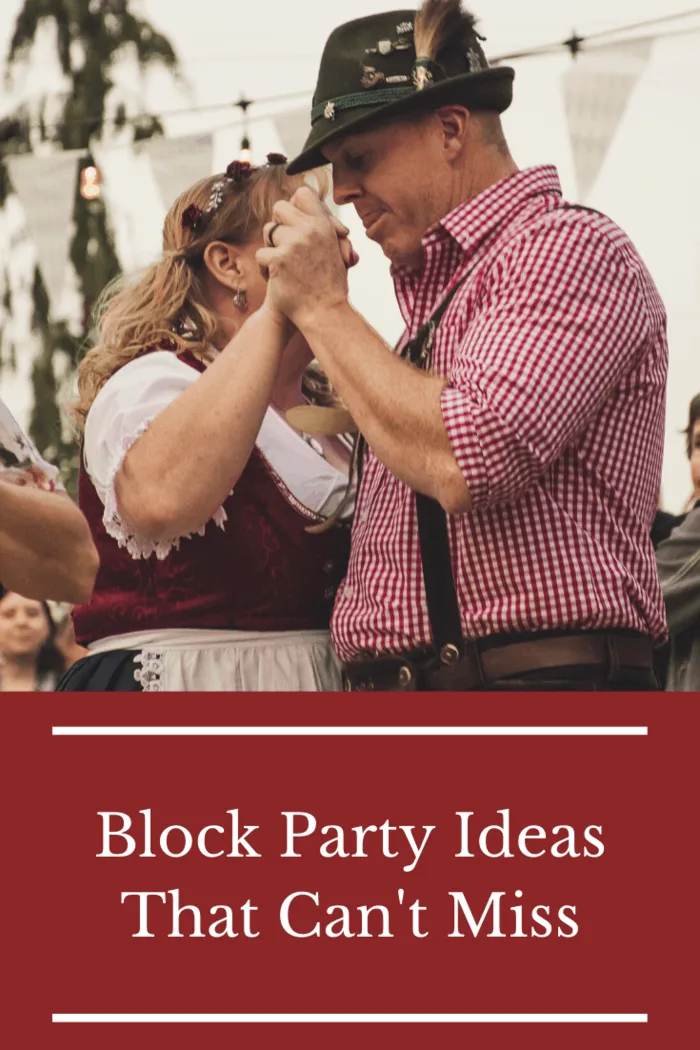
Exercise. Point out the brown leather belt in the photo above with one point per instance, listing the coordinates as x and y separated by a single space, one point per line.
469 667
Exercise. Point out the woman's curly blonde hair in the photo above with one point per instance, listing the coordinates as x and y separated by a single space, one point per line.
166 305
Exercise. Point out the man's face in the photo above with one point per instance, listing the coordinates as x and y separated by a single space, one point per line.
399 180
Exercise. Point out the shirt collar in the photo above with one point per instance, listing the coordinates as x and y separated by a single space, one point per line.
475 219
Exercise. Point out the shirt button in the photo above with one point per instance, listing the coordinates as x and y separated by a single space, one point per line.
347 592
329 593
328 567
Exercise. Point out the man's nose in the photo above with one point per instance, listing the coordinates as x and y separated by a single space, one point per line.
345 190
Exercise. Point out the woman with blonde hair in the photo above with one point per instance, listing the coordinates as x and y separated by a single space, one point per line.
208 509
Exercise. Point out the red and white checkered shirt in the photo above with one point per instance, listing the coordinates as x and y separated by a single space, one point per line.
555 349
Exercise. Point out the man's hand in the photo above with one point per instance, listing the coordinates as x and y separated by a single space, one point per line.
308 264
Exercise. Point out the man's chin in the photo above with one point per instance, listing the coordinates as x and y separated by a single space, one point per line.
399 256
391 249
397 253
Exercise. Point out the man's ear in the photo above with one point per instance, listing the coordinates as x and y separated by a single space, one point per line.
455 124
223 263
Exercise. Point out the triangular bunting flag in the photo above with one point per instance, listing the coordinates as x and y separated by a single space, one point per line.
178 163
597 87
46 188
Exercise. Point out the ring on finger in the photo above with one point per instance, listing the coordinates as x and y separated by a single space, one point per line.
271 234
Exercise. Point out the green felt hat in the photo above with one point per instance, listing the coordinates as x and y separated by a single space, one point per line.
370 69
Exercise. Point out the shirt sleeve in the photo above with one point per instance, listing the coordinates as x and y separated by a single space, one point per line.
120 414
562 317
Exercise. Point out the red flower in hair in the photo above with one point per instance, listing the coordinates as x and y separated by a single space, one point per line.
191 216
239 170
276 158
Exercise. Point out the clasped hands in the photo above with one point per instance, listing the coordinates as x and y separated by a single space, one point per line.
306 257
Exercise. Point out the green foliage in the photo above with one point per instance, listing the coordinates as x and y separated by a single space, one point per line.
5 183
45 425
92 36
92 251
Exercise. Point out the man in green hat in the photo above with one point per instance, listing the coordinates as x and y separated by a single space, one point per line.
513 440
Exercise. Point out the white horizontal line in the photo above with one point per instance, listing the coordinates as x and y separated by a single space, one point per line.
352 1018
349 730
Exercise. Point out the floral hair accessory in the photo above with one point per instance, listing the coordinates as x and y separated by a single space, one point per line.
191 216
238 170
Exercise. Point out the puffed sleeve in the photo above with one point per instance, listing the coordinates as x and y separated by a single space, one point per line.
120 414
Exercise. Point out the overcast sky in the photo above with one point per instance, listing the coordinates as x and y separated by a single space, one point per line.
648 183
271 47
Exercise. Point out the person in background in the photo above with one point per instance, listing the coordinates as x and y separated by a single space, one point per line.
692 448
29 658
678 562
45 546
664 522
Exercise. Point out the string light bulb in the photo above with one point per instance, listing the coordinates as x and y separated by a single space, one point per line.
246 154
90 179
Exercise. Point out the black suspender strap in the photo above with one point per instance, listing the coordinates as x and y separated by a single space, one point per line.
438 576
440 592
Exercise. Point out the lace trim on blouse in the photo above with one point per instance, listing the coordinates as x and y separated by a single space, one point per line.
126 536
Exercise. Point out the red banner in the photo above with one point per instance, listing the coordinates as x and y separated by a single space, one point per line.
473 868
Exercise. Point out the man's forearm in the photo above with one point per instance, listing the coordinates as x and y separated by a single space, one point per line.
46 550
396 407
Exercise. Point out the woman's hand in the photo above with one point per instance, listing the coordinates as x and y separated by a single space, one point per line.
281 213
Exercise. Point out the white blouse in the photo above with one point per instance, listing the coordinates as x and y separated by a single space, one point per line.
134 396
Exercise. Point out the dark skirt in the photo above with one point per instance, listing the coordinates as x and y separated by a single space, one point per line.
111 672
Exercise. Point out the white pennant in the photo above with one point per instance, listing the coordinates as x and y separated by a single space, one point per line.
597 87
46 189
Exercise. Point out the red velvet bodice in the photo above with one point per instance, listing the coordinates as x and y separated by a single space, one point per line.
262 572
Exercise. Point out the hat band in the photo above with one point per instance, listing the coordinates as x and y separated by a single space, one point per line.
332 106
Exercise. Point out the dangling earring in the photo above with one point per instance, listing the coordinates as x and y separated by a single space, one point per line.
240 300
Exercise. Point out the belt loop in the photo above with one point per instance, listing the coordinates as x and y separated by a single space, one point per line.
613 658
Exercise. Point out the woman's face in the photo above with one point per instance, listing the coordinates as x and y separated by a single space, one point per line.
24 627
695 457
